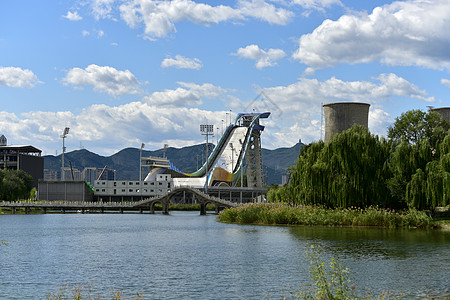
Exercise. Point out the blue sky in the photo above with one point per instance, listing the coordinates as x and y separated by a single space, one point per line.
122 73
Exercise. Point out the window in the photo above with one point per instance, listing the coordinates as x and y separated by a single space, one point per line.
130 190
145 183
123 183
123 190
103 183
137 183
130 183
160 183
103 190
115 184
97 190
114 191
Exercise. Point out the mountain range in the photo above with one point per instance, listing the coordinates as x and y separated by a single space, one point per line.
187 159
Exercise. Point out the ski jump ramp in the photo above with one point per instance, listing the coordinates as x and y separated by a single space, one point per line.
239 145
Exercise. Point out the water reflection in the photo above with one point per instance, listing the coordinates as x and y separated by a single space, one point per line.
374 243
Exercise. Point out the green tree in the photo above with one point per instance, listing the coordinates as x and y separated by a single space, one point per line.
15 184
348 171
414 126
418 160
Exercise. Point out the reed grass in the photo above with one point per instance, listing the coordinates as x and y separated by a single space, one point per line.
279 214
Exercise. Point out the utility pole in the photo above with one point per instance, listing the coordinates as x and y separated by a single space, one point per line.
63 136
207 130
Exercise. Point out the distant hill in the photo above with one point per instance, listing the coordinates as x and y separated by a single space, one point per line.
126 161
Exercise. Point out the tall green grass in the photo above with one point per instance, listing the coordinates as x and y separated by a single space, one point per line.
279 214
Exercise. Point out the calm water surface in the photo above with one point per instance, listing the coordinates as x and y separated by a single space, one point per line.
187 256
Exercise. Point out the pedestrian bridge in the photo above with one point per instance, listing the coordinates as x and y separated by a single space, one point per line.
101 207
202 198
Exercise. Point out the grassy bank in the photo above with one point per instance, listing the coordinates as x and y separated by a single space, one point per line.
278 214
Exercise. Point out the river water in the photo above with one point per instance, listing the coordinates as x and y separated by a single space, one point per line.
188 256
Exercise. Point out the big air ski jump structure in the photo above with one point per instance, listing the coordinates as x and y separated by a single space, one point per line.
239 146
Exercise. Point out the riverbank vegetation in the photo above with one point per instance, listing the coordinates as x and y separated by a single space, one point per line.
281 214
409 170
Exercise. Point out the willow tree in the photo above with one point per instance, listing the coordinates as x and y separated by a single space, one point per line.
418 160
350 170
429 186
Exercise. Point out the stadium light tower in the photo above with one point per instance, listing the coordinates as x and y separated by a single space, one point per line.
63 136
207 129
140 162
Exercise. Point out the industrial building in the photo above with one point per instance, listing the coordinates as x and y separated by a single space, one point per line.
65 191
26 158
342 116
444 112
131 190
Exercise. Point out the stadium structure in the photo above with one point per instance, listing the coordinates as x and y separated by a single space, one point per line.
239 146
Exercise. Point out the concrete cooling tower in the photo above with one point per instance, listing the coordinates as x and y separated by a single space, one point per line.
444 112
342 116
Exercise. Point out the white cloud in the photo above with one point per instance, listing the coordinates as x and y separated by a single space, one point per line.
445 82
110 129
263 58
409 33
318 5
85 33
188 95
102 9
300 105
164 116
100 33
17 77
181 62
73 16
159 17
104 79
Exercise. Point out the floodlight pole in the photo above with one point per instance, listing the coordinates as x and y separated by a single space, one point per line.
207 129
63 136
140 162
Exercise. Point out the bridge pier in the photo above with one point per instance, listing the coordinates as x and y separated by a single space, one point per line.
202 209
13 210
27 210
217 209
165 208
44 210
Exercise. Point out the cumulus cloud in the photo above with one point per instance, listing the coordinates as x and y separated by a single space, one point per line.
110 129
181 62
73 16
189 94
104 79
17 77
263 58
300 104
166 116
159 17
408 33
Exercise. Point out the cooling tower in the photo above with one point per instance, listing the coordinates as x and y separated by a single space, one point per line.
342 116
444 112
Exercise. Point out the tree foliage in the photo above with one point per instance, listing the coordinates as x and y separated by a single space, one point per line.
15 184
348 171
356 168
